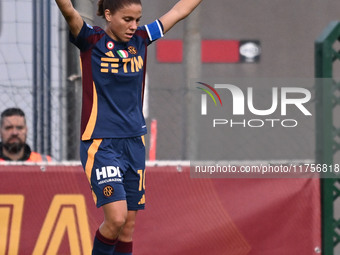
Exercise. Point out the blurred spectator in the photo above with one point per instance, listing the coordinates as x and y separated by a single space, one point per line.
13 145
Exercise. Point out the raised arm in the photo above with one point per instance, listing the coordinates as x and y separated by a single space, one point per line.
71 15
180 11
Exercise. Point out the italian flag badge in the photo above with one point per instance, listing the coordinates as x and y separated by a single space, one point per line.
123 53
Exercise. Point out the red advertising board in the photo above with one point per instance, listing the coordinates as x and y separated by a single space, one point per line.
52 212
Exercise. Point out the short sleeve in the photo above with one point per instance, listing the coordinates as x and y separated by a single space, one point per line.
87 37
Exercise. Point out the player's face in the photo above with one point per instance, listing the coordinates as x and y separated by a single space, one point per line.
123 23
13 133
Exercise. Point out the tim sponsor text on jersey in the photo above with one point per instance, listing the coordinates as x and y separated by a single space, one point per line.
111 64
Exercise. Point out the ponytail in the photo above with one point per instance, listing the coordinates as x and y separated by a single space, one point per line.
100 11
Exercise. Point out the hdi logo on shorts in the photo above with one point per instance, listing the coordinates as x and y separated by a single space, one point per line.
295 96
108 172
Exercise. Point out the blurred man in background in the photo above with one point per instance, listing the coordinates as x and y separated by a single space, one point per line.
13 132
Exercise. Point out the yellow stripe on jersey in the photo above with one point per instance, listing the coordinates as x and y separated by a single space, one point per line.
115 60
93 117
143 139
90 161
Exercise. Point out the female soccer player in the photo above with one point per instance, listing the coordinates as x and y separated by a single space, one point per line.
112 124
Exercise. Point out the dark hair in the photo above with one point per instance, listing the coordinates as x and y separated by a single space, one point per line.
12 112
113 5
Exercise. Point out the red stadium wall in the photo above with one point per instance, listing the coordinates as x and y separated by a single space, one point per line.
52 212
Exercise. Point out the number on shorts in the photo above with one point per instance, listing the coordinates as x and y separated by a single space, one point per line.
141 179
